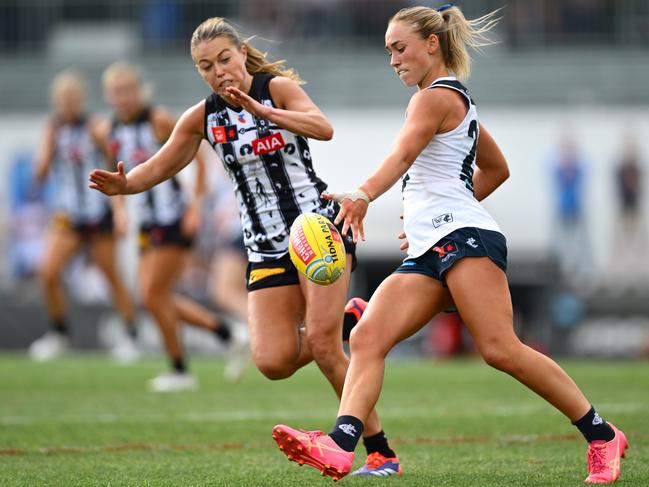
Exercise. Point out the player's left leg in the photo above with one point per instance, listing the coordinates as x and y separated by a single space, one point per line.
481 293
160 268
102 251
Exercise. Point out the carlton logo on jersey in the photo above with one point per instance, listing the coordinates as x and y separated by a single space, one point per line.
316 248
270 143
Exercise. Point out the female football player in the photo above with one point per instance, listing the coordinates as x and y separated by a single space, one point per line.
70 146
258 119
167 222
456 253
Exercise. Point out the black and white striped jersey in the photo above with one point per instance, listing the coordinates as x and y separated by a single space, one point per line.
134 143
271 169
75 156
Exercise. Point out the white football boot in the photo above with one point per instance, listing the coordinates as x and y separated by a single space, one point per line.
48 347
238 353
173 382
124 351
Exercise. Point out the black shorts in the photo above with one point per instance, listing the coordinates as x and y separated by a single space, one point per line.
161 235
85 229
282 272
464 242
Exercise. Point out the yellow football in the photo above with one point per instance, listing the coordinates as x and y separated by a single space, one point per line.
316 248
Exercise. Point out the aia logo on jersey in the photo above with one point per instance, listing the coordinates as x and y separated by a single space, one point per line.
225 133
267 144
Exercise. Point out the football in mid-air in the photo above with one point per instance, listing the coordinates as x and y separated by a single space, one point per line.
316 248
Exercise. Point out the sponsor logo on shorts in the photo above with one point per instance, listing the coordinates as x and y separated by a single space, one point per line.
440 220
471 242
257 275
446 251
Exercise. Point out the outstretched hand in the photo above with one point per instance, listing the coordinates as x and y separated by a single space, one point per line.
237 97
109 183
352 211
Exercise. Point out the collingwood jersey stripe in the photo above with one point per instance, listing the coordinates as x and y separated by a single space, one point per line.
275 166
271 168
75 155
135 142
214 104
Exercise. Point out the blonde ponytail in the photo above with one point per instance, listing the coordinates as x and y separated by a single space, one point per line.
454 31
256 61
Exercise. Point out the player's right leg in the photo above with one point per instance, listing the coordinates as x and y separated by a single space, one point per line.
381 327
275 315
62 244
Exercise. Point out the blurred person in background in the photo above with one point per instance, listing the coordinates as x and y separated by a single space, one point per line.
167 225
571 243
226 284
629 270
258 119
71 145
457 256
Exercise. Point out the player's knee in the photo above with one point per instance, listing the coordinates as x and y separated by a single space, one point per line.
500 355
274 369
48 276
366 339
325 344
151 297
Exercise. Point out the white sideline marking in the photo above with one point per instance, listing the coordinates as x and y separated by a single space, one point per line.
283 415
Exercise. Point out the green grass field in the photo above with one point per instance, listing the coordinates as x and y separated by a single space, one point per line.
84 421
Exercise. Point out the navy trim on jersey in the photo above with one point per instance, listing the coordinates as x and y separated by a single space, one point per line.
455 85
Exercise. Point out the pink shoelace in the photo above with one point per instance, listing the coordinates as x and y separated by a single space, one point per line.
596 459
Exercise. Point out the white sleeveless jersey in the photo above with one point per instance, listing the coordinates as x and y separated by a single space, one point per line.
134 143
438 188
271 169
75 156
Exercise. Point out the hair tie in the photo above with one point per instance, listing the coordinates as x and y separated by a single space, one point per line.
446 6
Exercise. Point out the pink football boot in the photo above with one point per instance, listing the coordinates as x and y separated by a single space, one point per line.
313 448
604 458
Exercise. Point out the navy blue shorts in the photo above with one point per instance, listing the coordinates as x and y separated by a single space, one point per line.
464 242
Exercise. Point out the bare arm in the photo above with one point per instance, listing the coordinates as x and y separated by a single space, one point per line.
175 154
426 112
45 154
491 169
295 111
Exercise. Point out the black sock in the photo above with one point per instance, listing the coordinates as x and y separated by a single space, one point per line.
378 443
60 326
179 365
224 332
131 330
347 432
349 322
593 427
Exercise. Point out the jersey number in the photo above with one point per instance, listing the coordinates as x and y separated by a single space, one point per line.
466 174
